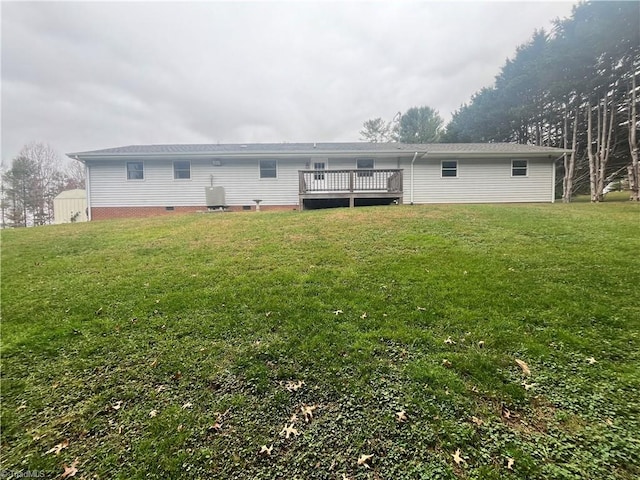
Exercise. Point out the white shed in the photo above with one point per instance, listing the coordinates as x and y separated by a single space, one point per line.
70 206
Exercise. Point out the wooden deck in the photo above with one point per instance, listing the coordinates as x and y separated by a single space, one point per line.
350 184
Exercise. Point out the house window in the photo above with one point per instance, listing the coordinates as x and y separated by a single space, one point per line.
181 170
450 168
319 166
365 164
268 168
135 171
518 168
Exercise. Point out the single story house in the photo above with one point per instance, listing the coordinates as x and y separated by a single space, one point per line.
142 180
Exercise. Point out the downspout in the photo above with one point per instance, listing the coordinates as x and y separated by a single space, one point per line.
412 162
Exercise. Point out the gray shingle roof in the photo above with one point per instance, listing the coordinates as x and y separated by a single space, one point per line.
308 148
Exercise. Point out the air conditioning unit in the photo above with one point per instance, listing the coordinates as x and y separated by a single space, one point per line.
214 196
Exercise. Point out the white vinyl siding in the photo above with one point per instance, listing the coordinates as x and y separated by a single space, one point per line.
479 181
240 179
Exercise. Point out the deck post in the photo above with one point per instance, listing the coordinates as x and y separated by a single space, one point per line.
352 201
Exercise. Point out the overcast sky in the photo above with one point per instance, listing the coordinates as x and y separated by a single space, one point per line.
84 76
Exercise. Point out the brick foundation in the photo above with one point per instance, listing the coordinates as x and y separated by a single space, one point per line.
103 213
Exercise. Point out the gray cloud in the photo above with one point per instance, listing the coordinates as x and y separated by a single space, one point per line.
92 75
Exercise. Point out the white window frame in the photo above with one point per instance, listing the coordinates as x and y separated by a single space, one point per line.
188 162
449 169
126 171
260 169
365 174
520 168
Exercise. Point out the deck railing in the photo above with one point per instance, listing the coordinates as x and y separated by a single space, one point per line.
360 180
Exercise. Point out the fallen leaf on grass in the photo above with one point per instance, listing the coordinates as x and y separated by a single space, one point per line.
457 458
448 341
219 420
264 450
477 421
510 462
401 416
307 411
591 360
481 344
288 431
422 309
117 405
187 405
528 386
21 407
524 367
294 418
446 363
58 448
294 386
71 470
153 413
364 460
506 413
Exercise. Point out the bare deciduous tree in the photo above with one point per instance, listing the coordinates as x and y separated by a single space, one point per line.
569 159
600 149
74 176
30 185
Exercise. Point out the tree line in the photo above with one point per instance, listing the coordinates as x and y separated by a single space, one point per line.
35 178
575 87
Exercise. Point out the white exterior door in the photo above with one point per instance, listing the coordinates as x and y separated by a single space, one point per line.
319 177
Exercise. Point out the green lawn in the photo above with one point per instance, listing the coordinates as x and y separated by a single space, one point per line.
180 346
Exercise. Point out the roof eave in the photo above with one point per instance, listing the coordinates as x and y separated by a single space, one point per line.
249 154
523 154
